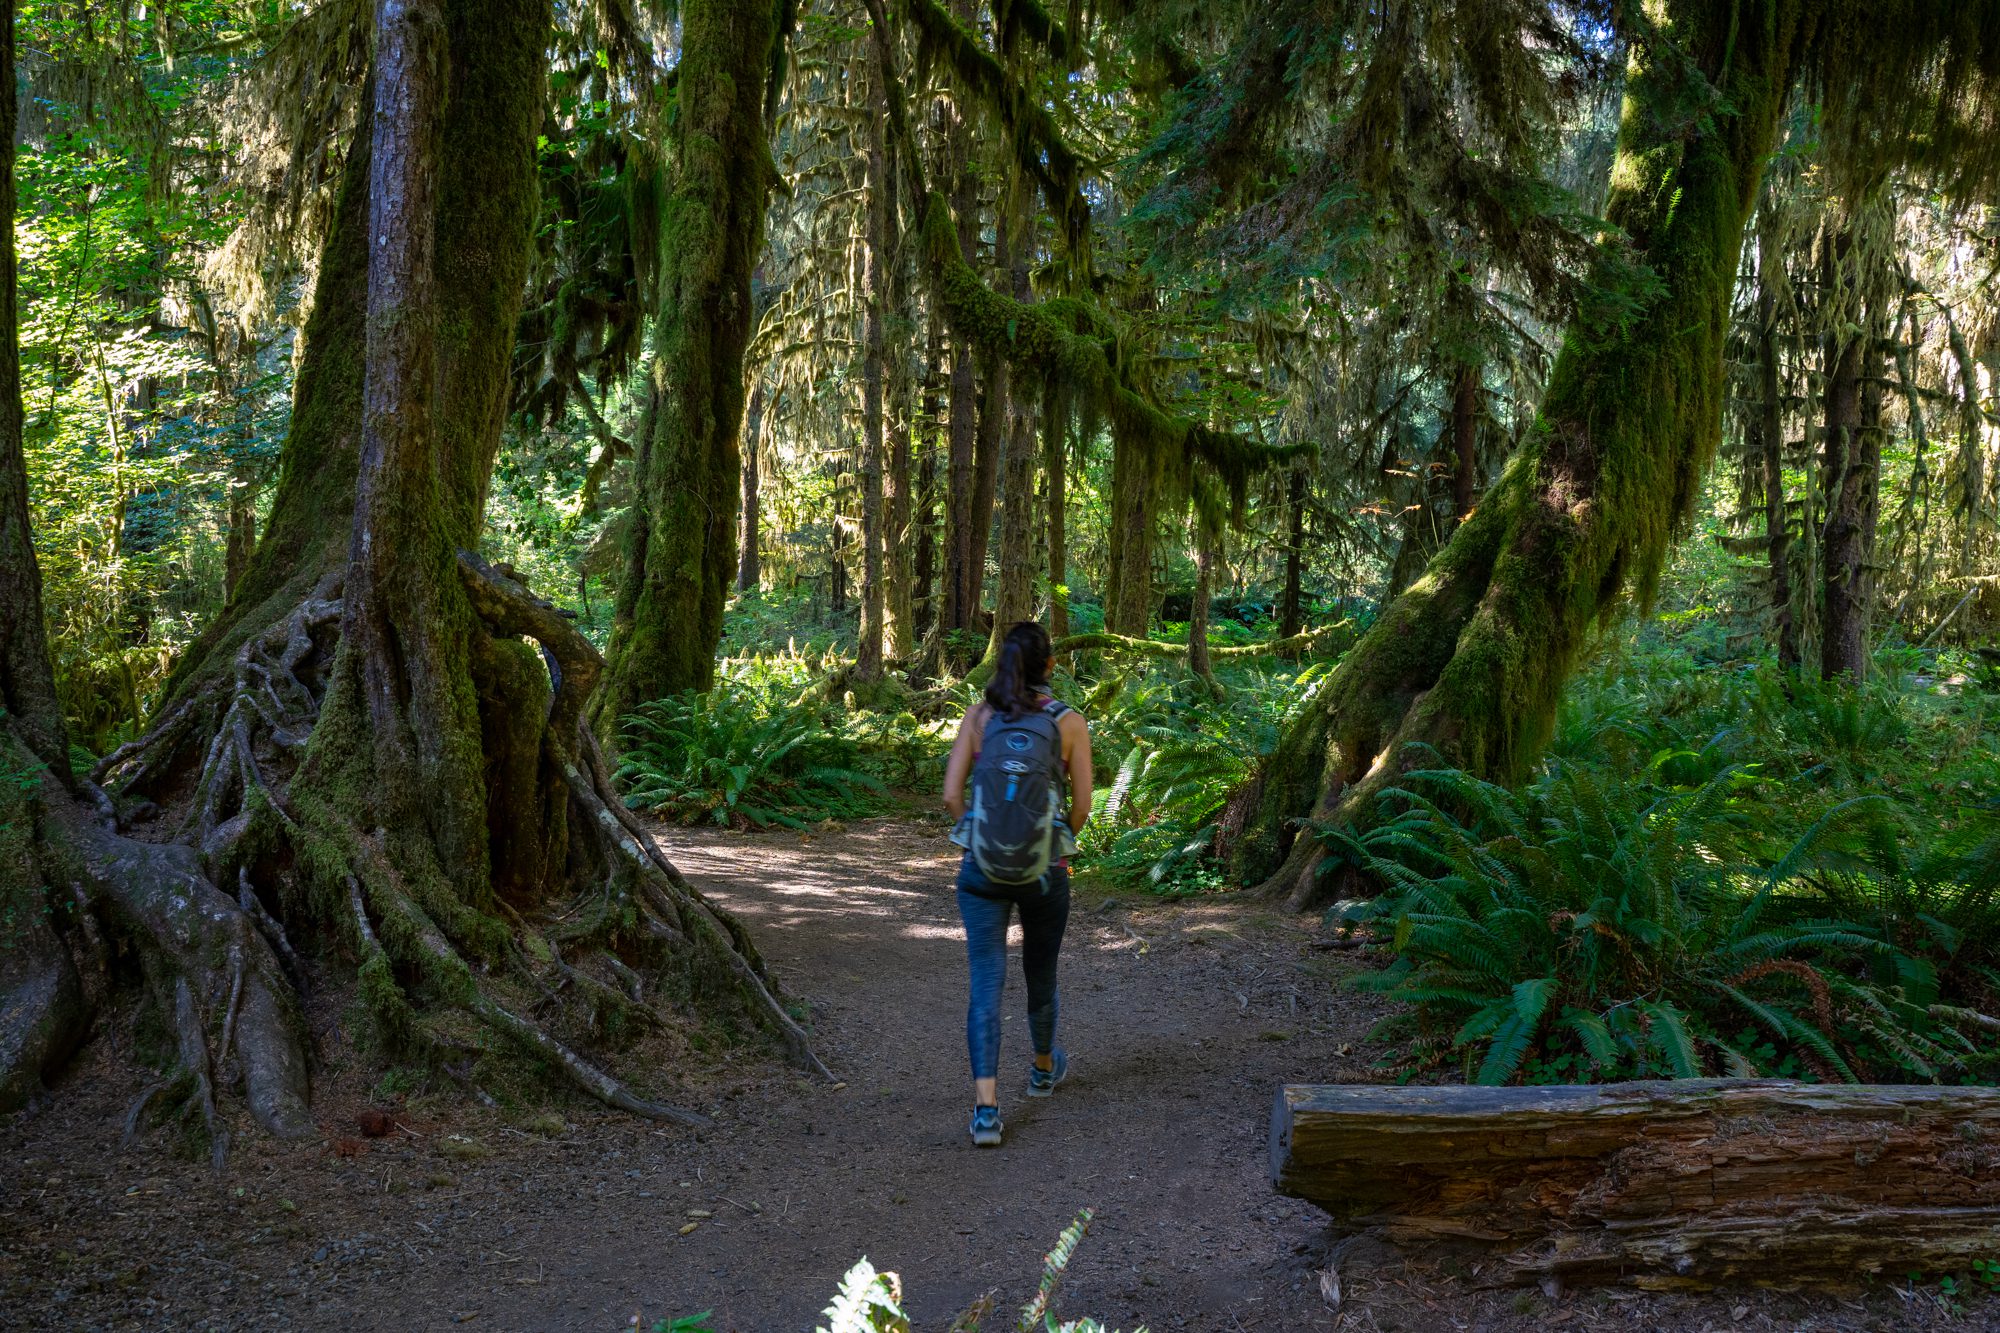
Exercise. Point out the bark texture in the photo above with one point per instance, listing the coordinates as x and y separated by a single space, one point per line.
1128 579
680 545
1658 1184
1291 602
875 298
749 553
1471 660
1768 436
1850 479
1056 468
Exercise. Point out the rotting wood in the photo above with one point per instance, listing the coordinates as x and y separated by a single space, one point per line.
1658 1184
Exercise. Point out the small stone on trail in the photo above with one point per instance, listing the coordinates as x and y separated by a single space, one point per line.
699 1212
688 1230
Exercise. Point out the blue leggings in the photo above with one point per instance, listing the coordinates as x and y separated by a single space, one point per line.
1044 912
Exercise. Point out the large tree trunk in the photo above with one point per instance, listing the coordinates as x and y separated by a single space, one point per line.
962 578
926 599
1768 428
1658 1184
402 678
749 542
1014 591
1465 441
680 543
1291 602
1056 463
899 569
1850 476
875 298
1128 584
1471 660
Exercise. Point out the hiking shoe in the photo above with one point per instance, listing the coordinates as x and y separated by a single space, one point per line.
985 1127
1042 1082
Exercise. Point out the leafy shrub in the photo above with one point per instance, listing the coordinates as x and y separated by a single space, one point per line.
1587 929
1175 754
1739 871
737 755
764 746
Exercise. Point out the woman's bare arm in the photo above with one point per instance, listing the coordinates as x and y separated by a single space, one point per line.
964 749
1076 753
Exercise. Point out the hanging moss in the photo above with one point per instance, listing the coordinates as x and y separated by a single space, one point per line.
1073 347
1028 127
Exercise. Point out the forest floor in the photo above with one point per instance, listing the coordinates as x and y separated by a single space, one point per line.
1181 1018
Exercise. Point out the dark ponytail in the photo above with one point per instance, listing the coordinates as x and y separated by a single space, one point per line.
1025 659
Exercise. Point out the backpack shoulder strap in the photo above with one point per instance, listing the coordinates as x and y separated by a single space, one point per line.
1057 709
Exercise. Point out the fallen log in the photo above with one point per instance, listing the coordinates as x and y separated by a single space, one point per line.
1658 1184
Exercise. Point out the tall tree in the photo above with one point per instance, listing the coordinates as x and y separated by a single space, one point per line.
1850 481
899 557
680 543
875 281
381 748
1014 590
1470 662
1766 431
69 885
749 540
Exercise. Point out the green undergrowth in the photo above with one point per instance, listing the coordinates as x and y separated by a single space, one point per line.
1725 871
1168 754
872 1302
765 747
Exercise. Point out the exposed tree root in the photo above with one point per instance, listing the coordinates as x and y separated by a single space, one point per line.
223 970
574 665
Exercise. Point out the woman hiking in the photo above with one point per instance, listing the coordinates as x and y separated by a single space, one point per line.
1016 748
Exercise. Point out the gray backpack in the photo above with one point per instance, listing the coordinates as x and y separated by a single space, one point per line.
1017 793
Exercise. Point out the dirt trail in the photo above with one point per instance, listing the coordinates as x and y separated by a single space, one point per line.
1181 1021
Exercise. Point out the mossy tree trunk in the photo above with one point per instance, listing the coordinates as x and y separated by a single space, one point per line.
681 537
1464 441
1014 588
1471 660
899 560
394 764
875 265
1056 467
925 597
1205 555
1128 581
960 609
